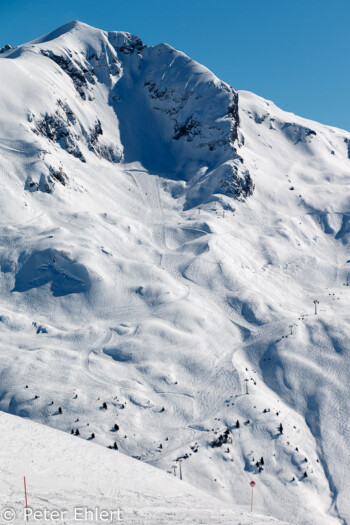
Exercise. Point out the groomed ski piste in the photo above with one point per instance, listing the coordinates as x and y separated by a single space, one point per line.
163 240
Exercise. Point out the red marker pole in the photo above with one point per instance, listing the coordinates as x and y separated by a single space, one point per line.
252 484
25 495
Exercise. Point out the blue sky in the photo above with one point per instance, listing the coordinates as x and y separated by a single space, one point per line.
294 52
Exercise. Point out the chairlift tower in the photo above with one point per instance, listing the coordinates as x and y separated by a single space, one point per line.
316 303
180 461
246 386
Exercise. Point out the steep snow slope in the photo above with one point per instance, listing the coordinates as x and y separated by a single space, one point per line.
79 481
161 239
142 104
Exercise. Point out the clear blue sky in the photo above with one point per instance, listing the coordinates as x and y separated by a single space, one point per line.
294 52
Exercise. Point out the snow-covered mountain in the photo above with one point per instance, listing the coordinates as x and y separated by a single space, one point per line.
164 239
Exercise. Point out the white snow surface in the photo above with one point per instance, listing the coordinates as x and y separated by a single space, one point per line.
69 481
161 255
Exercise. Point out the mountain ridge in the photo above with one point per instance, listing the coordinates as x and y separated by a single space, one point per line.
163 239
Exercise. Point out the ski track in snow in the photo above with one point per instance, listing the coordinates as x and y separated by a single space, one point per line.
185 292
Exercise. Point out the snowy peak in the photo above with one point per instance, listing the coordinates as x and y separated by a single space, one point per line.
81 38
121 84
67 30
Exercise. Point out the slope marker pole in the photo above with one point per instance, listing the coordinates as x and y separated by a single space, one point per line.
252 484
25 495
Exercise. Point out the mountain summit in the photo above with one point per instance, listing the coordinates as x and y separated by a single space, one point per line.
135 85
175 270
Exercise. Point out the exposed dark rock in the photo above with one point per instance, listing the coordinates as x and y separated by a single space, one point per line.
7 47
79 73
233 112
46 184
347 141
156 93
104 62
58 128
109 152
67 110
58 175
188 129
95 134
31 185
259 119
237 183
132 44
